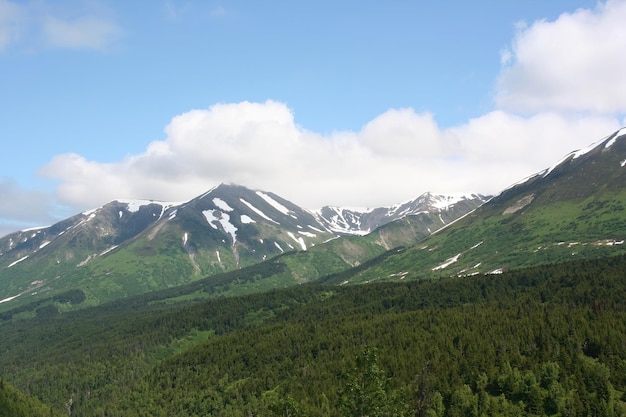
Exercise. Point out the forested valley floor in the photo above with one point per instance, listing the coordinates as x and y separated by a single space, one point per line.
544 341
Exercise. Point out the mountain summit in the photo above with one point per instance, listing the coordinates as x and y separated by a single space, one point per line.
131 246
361 222
571 210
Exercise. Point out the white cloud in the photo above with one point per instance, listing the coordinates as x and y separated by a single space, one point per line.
575 63
567 78
21 208
34 24
396 156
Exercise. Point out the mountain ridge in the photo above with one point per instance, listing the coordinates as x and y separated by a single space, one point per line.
128 246
574 209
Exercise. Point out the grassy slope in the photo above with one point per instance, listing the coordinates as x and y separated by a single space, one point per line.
489 240
146 264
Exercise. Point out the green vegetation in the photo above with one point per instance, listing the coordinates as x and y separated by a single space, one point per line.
518 309
15 404
488 240
539 341
112 253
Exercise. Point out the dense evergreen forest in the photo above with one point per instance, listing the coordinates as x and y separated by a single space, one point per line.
15 404
543 341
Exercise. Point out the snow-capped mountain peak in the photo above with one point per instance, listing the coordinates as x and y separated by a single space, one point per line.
360 222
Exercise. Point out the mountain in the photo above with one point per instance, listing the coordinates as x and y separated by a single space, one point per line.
361 222
132 246
574 209
488 338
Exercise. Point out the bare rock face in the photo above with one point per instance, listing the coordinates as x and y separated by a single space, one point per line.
519 204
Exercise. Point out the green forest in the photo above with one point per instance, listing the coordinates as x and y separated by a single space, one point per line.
542 341
15 404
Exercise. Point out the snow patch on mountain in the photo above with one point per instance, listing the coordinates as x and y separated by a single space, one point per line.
18 261
273 203
447 263
343 220
611 142
443 202
224 220
108 250
619 133
9 298
298 239
584 151
581 152
245 219
90 212
257 211
38 228
207 193
354 222
222 204
133 206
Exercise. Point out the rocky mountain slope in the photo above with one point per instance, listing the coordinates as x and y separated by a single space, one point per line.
574 209
361 222
129 247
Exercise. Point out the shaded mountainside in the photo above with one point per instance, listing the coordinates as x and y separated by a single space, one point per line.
130 247
575 209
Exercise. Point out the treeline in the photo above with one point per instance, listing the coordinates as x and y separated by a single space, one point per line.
541 341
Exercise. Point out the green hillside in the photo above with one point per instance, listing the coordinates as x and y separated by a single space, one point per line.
15 404
540 341
517 309
163 264
160 258
577 212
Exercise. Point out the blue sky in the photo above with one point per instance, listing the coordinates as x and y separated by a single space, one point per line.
357 103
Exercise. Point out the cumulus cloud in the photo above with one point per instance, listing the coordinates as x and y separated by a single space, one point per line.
394 157
20 208
575 63
562 87
39 23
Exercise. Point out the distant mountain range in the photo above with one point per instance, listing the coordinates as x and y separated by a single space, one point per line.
130 246
361 222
